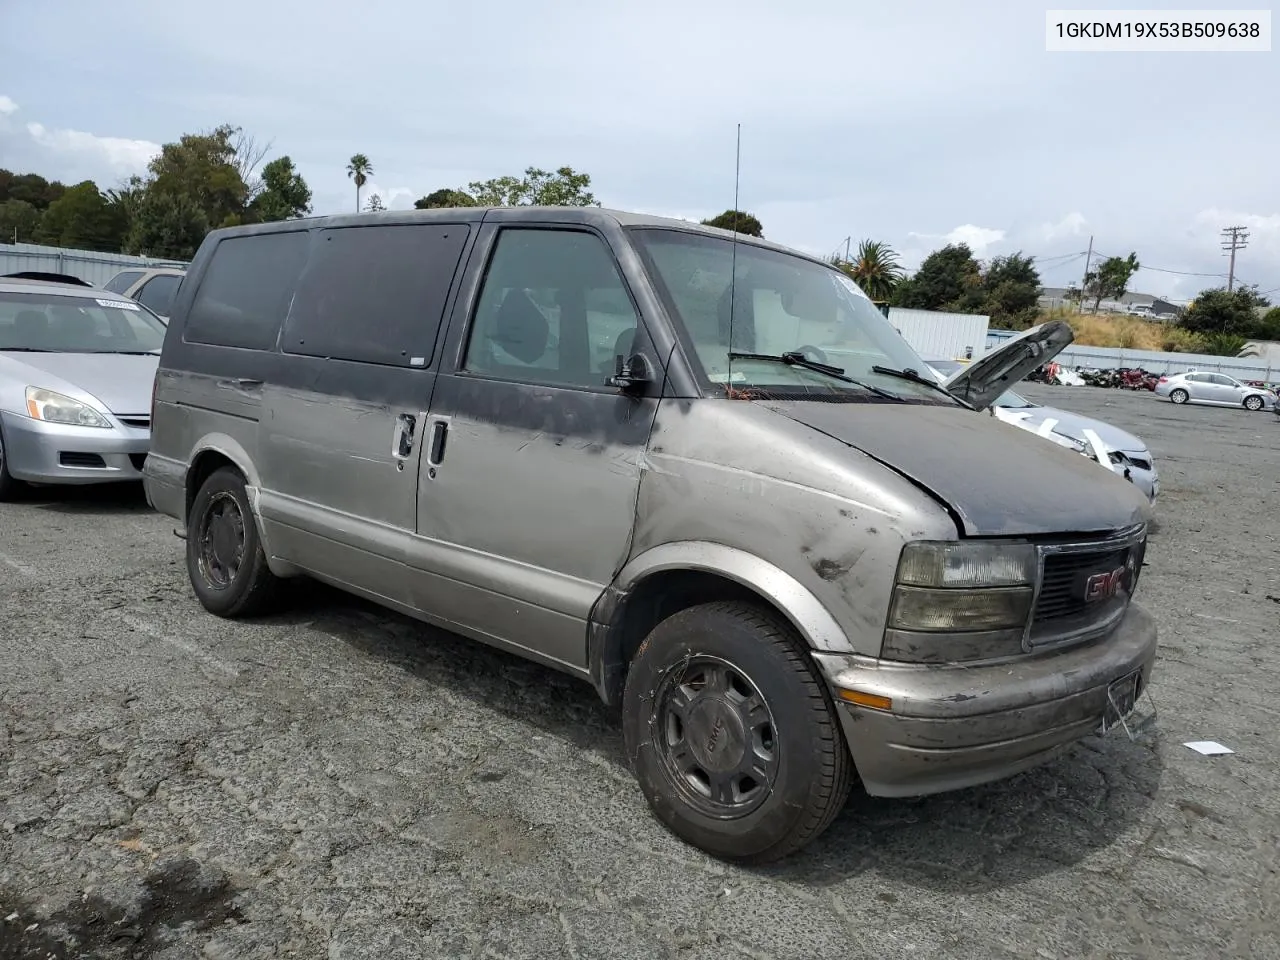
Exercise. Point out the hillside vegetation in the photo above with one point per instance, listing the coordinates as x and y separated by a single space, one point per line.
1130 333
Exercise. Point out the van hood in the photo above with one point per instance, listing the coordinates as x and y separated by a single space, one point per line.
998 480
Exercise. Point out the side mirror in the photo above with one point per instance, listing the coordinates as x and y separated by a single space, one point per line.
630 374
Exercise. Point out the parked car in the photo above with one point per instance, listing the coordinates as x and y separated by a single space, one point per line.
792 563
153 287
1214 388
76 370
1117 450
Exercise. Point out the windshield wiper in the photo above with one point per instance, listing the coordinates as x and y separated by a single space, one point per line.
912 377
794 358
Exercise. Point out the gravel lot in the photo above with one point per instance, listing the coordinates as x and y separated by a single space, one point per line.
339 782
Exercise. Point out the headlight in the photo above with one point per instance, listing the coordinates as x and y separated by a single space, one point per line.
962 586
55 408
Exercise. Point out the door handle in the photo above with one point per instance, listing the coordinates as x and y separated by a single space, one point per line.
240 383
402 436
439 435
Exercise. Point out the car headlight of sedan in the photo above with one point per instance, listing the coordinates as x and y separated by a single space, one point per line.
967 586
57 408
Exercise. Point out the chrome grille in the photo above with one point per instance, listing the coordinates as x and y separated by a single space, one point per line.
1062 588
1063 614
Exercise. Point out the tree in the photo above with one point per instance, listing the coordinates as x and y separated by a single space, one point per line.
82 217
359 169
375 204
945 277
444 197
168 225
1232 314
737 221
1011 291
1110 278
30 188
875 269
284 196
18 221
204 168
563 188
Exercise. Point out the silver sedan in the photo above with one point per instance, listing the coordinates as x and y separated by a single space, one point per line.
77 366
1214 388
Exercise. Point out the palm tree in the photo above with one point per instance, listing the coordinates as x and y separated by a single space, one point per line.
359 169
875 269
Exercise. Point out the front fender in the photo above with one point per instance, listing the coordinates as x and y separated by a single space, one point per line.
805 612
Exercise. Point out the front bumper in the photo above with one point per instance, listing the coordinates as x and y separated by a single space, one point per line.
56 453
956 725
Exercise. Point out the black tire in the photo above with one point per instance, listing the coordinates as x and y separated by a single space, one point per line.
225 560
1179 396
798 790
9 487
1254 403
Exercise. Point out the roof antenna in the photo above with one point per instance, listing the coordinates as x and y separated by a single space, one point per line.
733 262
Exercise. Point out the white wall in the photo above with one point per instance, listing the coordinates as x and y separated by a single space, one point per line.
941 336
88 265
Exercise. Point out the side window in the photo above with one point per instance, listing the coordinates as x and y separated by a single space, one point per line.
246 290
553 309
123 281
375 294
1224 381
158 292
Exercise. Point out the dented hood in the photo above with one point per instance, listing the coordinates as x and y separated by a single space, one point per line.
995 477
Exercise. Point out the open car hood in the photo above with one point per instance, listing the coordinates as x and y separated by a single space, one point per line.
981 382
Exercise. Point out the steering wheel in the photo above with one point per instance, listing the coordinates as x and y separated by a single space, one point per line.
810 352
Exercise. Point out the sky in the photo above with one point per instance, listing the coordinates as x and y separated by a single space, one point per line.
915 123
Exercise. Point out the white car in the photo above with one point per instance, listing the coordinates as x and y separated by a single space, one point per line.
1117 450
1215 388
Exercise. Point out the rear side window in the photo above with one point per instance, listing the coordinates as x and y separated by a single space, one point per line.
245 293
158 292
123 281
375 294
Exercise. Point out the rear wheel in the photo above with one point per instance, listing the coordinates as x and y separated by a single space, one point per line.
1179 396
1253 403
9 487
732 733
225 560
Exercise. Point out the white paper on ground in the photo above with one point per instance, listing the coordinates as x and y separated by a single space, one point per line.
1209 748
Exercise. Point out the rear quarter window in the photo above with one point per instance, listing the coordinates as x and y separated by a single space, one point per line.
245 293
375 294
123 281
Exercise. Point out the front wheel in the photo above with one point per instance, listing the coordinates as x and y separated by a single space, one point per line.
1179 396
1253 403
225 560
733 735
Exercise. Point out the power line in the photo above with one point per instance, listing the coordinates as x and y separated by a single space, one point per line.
1234 238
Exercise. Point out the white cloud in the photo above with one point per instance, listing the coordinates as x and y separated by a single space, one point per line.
1263 230
393 198
120 154
977 238
7 106
1072 225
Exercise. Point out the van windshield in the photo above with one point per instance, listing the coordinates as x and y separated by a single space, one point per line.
781 304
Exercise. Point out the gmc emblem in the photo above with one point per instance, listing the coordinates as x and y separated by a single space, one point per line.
1103 586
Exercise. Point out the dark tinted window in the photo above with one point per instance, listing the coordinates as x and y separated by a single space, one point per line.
375 294
553 309
157 293
246 290
123 281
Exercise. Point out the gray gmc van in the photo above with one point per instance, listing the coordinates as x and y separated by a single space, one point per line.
703 473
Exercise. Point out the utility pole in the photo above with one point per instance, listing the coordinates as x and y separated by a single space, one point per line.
1085 282
1233 239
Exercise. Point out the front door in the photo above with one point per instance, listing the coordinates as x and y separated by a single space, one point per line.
344 416
531 465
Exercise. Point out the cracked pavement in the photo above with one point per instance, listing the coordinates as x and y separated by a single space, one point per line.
337 781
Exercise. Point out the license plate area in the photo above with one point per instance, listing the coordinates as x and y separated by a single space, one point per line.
1122 700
